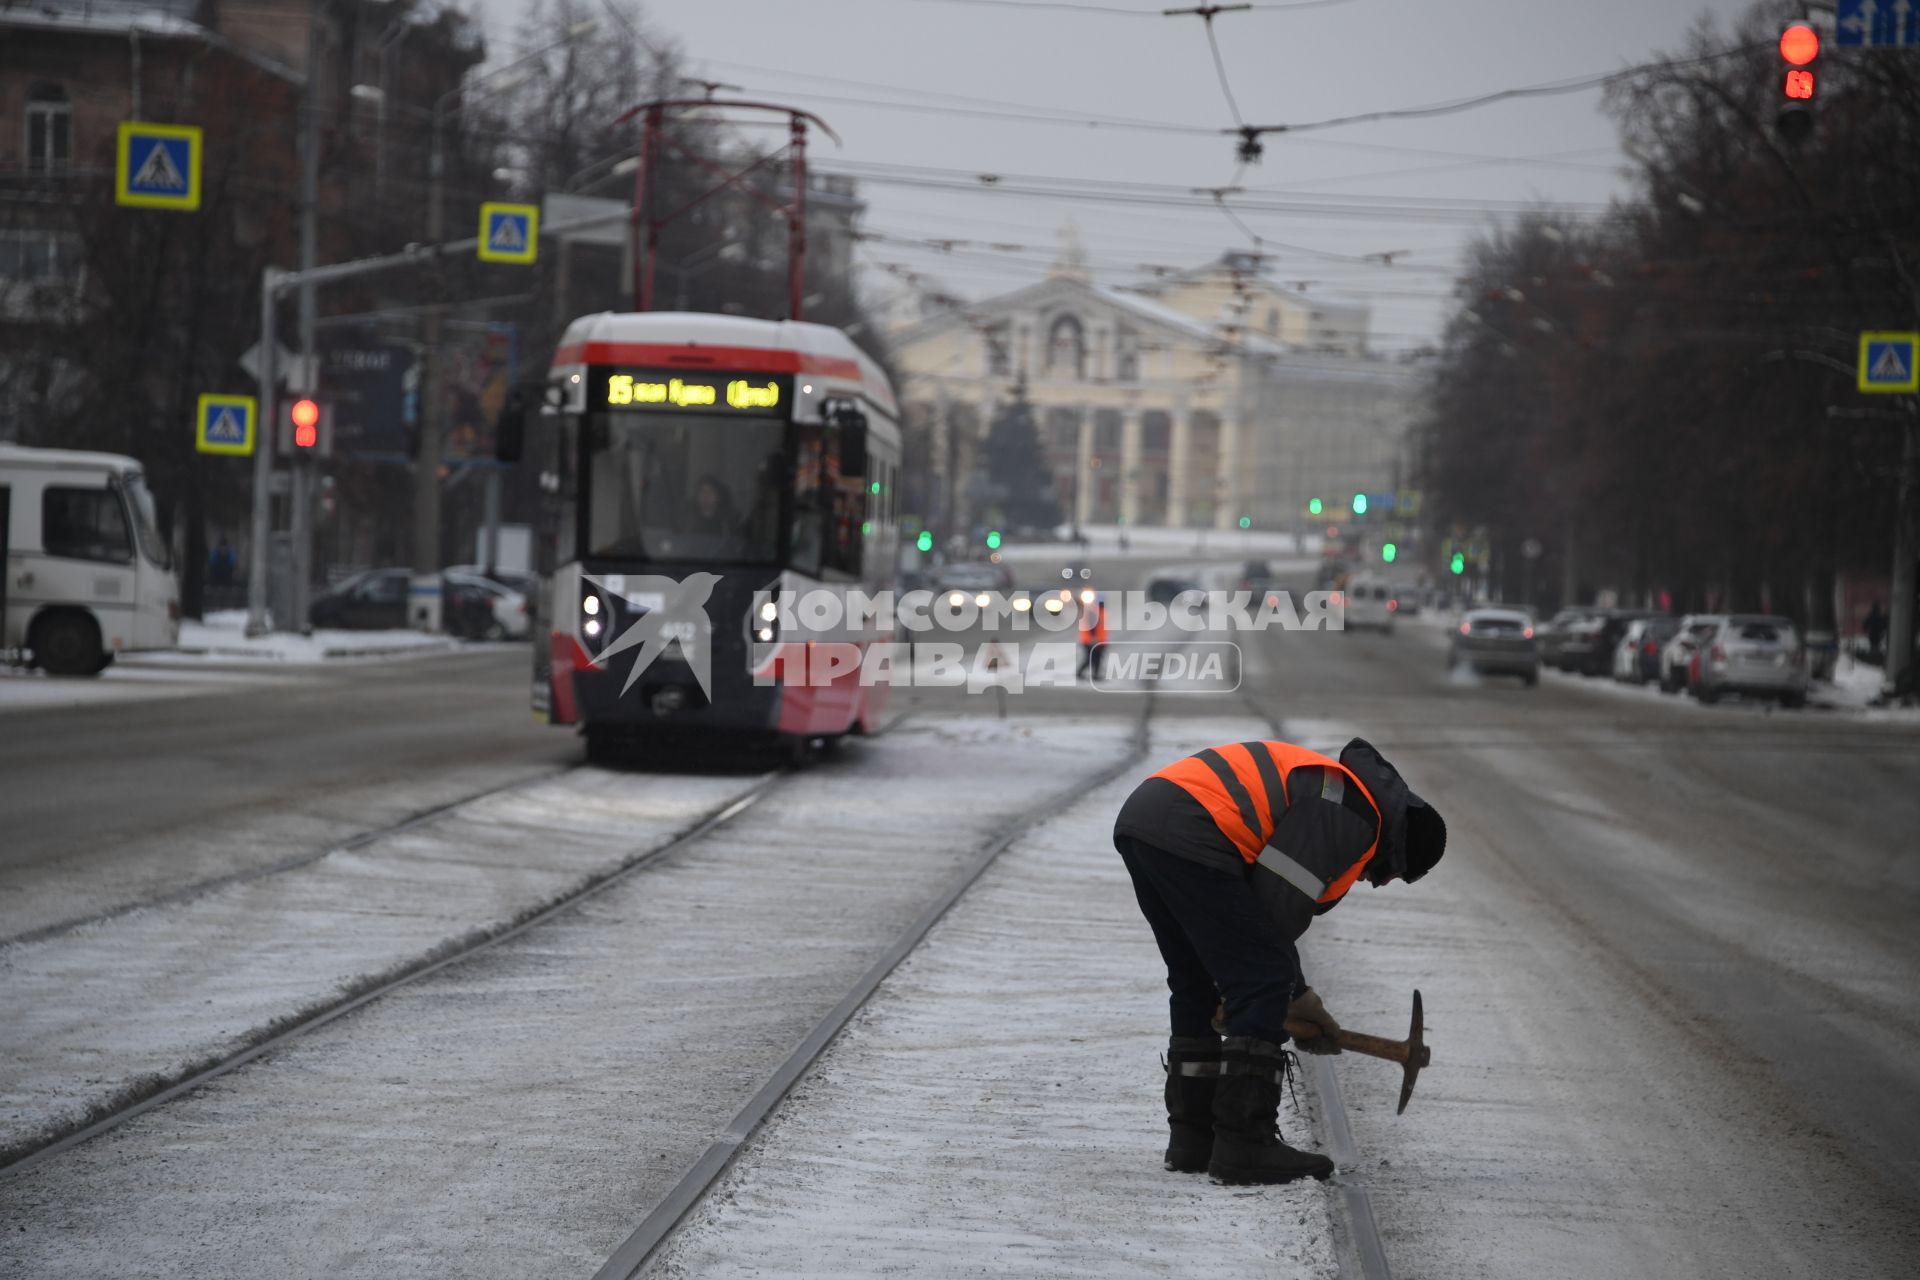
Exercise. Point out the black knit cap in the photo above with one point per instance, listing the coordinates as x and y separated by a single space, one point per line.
1426 837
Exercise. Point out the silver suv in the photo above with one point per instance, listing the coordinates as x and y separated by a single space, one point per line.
1752 654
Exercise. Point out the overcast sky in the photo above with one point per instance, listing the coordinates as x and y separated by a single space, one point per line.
1284 65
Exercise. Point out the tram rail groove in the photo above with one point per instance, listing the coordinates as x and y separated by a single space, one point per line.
1365 1257
637 1251
157 1091
293 862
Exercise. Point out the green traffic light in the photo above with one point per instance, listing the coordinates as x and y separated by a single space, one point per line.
873 486
1459 564
1359 504
1246 522
1314 507
1388 552
993 539
925 540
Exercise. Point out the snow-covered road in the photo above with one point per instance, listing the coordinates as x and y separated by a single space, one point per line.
995 1109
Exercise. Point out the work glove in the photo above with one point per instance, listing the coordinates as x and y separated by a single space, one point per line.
1306 1007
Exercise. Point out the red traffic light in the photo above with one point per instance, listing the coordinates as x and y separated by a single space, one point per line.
1799 45
306 423
1799 86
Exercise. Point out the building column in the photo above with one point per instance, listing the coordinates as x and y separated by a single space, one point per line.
1226 487
1179 445
1083 469
1130 466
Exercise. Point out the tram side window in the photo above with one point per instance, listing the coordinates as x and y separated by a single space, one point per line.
845 503
85 524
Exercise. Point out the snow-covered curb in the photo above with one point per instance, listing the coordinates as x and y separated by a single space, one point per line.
223 635
995 1108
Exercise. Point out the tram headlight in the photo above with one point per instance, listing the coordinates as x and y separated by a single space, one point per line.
768 612
590 605
592 627
764 635
1022 603
982 600
1086 596
957 600
1053 604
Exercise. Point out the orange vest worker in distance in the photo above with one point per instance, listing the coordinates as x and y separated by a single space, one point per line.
1233 851
1093 624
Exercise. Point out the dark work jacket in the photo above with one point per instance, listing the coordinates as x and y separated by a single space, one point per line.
1312 832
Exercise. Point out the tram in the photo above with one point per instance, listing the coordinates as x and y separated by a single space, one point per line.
693 466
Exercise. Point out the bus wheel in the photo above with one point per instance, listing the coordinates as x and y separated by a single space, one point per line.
67 644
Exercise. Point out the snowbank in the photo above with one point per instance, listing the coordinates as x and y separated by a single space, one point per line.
222 634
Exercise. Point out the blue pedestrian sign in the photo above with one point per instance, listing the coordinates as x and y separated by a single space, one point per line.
509 232
1877 24
157 166
1890 362
226 424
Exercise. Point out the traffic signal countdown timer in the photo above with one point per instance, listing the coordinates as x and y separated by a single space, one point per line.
1799 51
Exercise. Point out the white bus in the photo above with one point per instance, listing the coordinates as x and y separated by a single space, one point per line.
88 575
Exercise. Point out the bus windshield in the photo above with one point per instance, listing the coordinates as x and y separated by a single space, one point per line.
669 486
146 527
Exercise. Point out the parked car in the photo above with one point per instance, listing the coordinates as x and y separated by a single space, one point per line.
1553 636
1497 642
375 600
481 608
1590 641
1636 658
1752 654
1676 656
511 579
1370 603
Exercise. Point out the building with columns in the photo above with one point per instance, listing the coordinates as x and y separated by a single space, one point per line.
1189 402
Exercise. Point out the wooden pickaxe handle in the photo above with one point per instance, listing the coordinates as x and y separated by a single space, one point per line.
1360 1042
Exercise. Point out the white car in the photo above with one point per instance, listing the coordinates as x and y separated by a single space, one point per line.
1370 603
510 620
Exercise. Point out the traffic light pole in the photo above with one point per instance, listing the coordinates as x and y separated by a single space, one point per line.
275 282
1906 549
299 492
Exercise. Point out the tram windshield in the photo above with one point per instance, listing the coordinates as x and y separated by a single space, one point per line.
676 487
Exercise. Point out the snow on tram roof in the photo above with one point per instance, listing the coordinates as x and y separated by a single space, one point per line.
699 340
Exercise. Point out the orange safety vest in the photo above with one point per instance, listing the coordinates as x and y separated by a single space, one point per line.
1093 626
1243 788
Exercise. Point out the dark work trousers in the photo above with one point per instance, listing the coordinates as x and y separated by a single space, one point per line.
1217 941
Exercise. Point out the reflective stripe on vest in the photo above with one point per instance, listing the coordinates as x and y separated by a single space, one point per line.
1243 788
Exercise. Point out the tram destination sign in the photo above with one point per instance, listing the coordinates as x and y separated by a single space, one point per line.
683 391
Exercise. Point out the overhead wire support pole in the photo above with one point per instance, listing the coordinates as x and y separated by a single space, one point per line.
646 221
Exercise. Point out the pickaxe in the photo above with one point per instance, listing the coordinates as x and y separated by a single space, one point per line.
1411 1053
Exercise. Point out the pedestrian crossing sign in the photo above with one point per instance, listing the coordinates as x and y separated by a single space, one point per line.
157 166
509 232
1890 362
226 424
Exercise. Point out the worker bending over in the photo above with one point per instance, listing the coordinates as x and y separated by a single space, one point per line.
1233 851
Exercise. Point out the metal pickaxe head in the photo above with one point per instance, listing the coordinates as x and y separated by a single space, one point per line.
1418 1055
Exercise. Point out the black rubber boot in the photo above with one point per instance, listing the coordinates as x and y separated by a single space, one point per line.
1246 1113
1193 1070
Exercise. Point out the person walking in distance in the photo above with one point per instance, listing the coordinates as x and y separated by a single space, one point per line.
1093 636
1233 851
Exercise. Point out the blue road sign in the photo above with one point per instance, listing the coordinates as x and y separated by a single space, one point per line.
1890 362
225 424
1877 24
157 166
509 232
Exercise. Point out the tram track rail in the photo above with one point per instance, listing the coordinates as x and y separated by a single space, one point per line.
632 1257
157 1091
293 862
1365 1256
